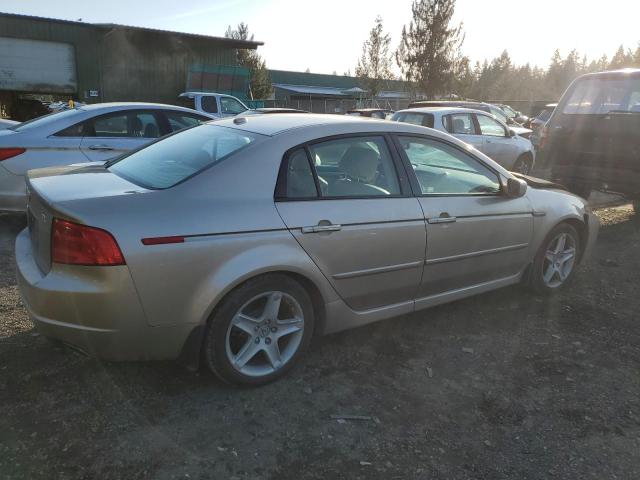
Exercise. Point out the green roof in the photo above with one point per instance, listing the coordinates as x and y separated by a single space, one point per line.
323 80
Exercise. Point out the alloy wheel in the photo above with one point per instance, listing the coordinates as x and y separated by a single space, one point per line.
264 334
559 260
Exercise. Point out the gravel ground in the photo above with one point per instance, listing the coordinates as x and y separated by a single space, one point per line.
504 385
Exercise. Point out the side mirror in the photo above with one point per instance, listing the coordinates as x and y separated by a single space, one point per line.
515 188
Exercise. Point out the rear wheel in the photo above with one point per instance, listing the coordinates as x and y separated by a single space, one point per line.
555 262
523 164
260 331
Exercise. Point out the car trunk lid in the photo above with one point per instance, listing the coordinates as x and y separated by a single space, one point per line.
52 193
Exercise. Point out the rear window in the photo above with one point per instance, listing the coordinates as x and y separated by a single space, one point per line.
595 95
423 119
45 120
168 162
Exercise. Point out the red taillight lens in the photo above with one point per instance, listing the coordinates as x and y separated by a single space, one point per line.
11 152
76 244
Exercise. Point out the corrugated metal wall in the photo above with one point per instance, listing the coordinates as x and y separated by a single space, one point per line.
150 66
84 39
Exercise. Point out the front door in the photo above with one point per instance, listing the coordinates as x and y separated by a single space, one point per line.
498 144
475 234
345 203
113 134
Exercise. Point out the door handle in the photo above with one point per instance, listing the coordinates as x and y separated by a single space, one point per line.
100 147
443 218
322 228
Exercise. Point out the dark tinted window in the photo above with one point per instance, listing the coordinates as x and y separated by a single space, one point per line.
166 163
601 95
187 102
123 124
209 104
423 119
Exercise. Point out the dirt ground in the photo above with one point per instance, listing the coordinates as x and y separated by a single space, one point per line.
504 385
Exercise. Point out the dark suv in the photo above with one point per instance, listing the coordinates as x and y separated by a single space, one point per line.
592 140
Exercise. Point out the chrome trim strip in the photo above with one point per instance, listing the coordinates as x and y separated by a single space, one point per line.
476 254
373 271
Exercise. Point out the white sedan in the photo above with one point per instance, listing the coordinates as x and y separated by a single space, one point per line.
477 128
96 132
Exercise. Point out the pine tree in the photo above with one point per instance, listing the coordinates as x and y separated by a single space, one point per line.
429 52
374 66
260 81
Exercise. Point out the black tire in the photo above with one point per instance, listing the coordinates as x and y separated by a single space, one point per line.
537 281
215 340
524 164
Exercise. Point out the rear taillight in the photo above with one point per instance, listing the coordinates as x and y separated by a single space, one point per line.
544 136
11 152
75 244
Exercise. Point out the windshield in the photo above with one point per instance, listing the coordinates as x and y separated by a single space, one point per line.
45 120
598 95
168 162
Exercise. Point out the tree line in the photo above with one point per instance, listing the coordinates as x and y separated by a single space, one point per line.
431 61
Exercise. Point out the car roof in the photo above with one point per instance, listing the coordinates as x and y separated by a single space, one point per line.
442 110
130 105
368 110
615 73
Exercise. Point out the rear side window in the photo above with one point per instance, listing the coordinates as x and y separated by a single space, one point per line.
176 158
178 120
595 95
209 104
299 176
422 119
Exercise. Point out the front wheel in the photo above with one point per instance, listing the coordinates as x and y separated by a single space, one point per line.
555 262
260 331
524 164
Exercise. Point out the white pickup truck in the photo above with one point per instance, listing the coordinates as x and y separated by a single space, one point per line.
215 104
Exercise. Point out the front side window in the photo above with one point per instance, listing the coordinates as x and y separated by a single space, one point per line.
176 158
498 113
231 105
459 124
491 127
355 167
178 120
422 119
444 170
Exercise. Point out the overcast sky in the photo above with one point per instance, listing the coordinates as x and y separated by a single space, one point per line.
327 35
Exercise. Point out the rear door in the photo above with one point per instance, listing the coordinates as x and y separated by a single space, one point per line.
350 207
462 126
475 234
107 136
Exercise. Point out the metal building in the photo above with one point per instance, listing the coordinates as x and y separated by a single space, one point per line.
109 62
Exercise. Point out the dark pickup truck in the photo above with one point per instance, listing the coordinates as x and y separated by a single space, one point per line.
592 140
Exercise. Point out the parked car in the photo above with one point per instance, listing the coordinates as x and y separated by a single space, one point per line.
538 122
381 113
238 240
6 123
270 110
216 104
96 132
485 107
517 117
479 129
591 141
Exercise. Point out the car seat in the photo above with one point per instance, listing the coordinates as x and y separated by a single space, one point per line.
360 166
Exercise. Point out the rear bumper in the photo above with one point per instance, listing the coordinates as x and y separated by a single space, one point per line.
13 192
95 309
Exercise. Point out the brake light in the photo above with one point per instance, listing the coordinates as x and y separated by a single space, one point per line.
75 244
544 133
11 152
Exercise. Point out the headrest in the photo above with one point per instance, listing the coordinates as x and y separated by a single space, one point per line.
360 162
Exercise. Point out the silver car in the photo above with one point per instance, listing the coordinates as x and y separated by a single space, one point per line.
479 129
237 241
89 133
